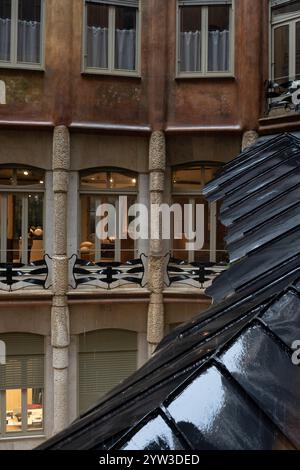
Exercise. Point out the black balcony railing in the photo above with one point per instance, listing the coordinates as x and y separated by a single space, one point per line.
108 275
18 276
193 274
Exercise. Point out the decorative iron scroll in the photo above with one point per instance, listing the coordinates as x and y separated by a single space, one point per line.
284 95
108 275
17 276
194 274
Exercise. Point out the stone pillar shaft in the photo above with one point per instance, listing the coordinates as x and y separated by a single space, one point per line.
60 329
249 139
156 270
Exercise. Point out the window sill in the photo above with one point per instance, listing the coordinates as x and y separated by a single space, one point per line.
22 437
117 73
38 68
206 76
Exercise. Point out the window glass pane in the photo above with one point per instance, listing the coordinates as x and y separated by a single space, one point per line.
35 227
298 50
109 249
211 425
155 435
5 29
29 31
125 38
218 39
291 7
14 228
97 35
34 409
179 246
266 372
109 180
21 177
13 410
281 54
190 39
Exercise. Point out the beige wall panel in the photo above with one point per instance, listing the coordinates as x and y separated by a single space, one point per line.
90 151
26 147
91 317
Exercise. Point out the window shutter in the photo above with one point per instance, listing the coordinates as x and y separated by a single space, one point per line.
24 366
106 357
122 3
204 2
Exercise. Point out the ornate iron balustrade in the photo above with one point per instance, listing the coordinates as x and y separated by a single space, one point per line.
108 275
18 276
194 274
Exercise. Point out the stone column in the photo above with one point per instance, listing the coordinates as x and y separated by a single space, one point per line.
156 270
60 331
249 139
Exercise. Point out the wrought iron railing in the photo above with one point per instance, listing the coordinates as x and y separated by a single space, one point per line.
194 274
18 276
108 275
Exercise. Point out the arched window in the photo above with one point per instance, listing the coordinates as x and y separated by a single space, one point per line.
21 214
187 184
105 186
22 385
106 357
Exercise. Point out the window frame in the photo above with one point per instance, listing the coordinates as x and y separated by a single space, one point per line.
204 73
24 432
290 20
13 63
97 193
110 70
25 191
212 222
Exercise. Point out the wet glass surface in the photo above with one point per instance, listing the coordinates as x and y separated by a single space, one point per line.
267 373
214 415
283 318
155 435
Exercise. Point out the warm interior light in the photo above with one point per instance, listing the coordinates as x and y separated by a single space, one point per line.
133 180
41 182
26 173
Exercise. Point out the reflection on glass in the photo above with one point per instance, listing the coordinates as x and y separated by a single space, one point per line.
29 31
35 227
34 409
281 54
97 36
179 246
190 39
222 418
21 177
14 228
155 435
218 38
13 410
125 38
109 180
5 29
111 248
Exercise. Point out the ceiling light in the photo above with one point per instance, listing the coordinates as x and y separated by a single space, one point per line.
26 173
133 180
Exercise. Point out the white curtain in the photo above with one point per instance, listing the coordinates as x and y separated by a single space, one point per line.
218 51
125 49
97 48
190 51
29 41
5 39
